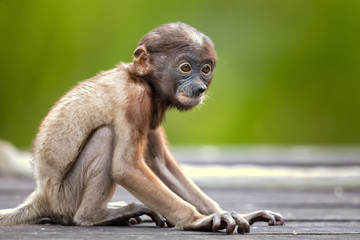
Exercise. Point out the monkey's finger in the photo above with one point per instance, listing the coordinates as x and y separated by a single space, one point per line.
230 222
133 221
157 219
280 222
243 225
136 220
153 215
139 220
269 217
279 219
265 216
216 223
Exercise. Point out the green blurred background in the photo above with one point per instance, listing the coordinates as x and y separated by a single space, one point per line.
288 71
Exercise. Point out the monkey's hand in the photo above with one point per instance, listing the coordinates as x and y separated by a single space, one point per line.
273 219
216 221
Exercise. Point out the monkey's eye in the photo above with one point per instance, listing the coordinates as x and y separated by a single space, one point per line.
206 68
185 67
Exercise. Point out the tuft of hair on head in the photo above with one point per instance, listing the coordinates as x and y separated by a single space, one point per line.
173 36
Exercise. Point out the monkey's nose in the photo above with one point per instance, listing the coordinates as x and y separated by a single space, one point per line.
199 89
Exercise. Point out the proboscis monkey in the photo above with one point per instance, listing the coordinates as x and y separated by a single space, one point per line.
107 131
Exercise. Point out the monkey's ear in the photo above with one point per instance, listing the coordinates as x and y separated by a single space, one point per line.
141 61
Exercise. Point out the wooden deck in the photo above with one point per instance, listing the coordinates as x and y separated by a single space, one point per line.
310 214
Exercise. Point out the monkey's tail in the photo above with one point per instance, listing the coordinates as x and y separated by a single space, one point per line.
28 212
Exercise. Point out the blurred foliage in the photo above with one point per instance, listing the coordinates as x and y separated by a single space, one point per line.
288 71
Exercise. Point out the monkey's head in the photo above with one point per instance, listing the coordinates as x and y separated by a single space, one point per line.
178 62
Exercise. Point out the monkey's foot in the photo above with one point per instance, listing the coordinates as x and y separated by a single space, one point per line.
215 222
273 219
130 214
120 204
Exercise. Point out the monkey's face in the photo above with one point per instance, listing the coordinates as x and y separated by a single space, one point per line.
184 77
192 78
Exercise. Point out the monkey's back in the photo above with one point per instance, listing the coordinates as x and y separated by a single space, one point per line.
65 129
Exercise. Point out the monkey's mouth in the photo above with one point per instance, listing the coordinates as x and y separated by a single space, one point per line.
190 101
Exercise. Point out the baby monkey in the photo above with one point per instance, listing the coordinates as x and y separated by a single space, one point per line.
107 131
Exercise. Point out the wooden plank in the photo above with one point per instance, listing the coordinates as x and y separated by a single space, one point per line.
148 231
324 214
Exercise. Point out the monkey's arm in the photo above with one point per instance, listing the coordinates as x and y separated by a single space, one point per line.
130 170
170 172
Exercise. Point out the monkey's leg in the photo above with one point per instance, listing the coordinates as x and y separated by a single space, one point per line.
93 168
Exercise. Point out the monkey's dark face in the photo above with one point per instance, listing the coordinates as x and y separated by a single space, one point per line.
183 77
192 77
